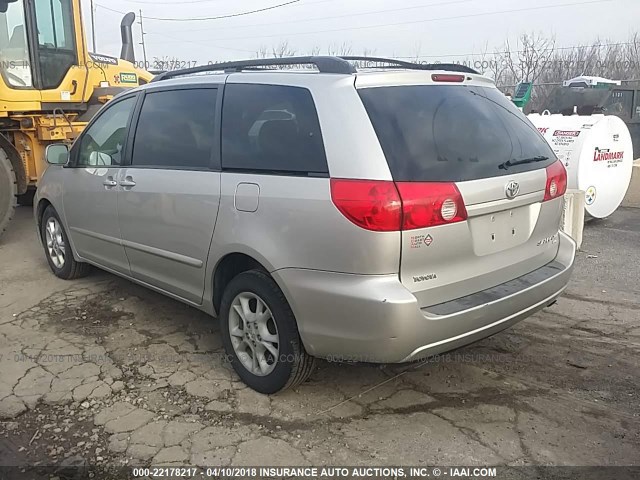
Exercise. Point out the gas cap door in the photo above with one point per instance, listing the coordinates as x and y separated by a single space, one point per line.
247 197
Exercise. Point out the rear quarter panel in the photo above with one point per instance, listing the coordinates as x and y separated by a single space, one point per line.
296 225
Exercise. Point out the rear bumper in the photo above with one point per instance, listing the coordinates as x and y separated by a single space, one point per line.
374 318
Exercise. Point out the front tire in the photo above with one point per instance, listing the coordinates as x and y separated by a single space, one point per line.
57 248
260 334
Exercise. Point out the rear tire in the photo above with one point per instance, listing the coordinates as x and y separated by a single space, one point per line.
57 248
265 348
8 191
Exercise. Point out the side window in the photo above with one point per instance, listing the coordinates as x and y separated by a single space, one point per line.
54 24
271 128
176 129
102 143
56 44
14 66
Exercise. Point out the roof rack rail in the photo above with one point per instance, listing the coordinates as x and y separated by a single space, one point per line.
322 63
325 64
451 67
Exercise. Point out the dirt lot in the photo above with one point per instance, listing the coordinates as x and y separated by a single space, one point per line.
103 371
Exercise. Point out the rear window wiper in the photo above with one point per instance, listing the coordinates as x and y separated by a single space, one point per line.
522 161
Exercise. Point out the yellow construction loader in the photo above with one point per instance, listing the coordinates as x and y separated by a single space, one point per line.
50 87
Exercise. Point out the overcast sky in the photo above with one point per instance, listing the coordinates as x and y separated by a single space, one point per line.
388 27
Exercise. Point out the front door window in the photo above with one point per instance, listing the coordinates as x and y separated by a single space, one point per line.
103 142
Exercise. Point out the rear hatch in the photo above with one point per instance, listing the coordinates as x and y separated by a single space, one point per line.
481 170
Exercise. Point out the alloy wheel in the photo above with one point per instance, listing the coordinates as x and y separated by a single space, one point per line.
55 242
254 334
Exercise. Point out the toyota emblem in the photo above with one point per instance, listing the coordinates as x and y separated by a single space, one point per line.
512 189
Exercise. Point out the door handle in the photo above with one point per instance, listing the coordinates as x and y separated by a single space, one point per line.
110 182
127 182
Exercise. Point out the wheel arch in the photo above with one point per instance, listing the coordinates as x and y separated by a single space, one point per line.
16 162
228 267
43 203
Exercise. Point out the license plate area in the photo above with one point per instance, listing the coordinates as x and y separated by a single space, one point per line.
501 230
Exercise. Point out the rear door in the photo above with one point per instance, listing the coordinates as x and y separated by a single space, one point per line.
465 135
170 193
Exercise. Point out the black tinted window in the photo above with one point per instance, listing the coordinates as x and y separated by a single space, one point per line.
102 143
452 133
176 129
271 128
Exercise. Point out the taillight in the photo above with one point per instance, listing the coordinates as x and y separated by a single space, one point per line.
373 205
447 77
386 206
430 204
556 181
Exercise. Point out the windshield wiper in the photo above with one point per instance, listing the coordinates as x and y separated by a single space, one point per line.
512 163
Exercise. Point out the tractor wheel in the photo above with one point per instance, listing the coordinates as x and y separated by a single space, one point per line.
8 191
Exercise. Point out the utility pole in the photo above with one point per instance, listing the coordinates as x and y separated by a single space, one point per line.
144 47
93 25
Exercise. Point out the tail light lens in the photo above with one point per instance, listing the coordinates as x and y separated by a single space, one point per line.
373 205
386 206
556 181
430 204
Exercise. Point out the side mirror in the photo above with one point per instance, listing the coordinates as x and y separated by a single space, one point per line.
57 154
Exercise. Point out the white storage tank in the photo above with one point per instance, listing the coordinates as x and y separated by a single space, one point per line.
597 152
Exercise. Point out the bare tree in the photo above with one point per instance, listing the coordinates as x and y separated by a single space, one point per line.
417 49
263 52
343 49
533 58
528 61
283 50
369 52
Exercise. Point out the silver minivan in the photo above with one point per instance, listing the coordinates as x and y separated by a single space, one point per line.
373 215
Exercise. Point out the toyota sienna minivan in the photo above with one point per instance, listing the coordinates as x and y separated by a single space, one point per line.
373 215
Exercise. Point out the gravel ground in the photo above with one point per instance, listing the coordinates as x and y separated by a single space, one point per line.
105 372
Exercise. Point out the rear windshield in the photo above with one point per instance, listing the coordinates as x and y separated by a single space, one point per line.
447 133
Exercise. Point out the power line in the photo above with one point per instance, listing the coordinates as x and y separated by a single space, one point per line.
200 19
412 22
182 2
195 42
550 49
574 47
336 16
547 84
175 39
188 2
